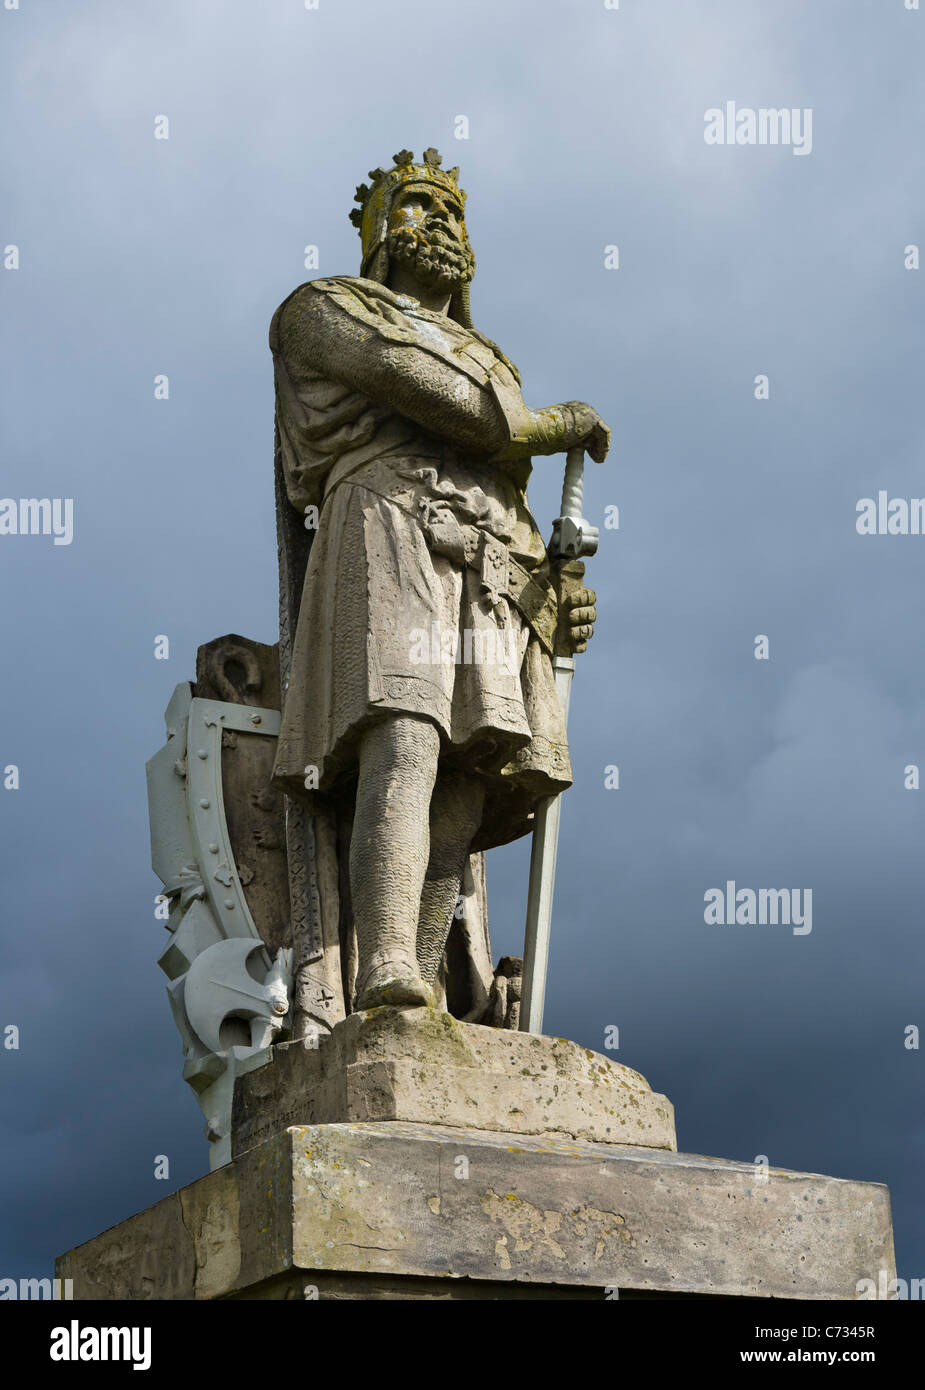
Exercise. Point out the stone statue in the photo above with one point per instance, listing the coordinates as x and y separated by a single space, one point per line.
320 811
418 689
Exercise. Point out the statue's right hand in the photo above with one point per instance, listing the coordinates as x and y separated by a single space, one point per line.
587 430
558 428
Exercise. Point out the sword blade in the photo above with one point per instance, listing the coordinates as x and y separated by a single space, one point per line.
542 882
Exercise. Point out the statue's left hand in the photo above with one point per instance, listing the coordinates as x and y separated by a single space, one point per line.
582 615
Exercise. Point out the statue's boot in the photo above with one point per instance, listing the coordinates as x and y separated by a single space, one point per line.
455 816
393 982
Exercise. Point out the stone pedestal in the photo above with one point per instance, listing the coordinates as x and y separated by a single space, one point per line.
425 1066
413 1156
397 1210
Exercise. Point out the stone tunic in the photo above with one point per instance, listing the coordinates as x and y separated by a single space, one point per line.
427 588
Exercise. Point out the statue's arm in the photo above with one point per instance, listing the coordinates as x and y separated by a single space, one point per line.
319 336
553 430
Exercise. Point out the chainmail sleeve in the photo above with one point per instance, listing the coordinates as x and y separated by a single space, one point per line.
398 362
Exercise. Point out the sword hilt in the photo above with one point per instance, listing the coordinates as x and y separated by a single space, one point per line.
573 484
572 535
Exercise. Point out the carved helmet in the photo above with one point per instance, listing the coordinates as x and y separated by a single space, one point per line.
371 218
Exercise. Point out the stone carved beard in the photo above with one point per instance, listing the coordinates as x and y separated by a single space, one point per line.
437 258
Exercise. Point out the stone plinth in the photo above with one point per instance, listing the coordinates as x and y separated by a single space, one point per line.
396 1210
424 1066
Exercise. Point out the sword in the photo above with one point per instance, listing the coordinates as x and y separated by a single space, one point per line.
572 537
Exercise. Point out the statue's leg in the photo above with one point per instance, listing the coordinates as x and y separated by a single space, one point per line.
455 816
389 850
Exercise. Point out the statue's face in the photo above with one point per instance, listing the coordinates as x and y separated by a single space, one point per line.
428 234
425 206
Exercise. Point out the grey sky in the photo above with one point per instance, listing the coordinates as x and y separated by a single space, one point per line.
141 257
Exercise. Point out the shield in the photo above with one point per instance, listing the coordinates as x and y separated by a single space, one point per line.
218 846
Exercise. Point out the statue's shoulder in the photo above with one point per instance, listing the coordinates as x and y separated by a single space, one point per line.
352 289
341 302
368 301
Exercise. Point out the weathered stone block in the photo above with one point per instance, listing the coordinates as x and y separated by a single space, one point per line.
399 1210
426 1067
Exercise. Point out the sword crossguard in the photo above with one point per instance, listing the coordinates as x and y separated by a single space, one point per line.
571 540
